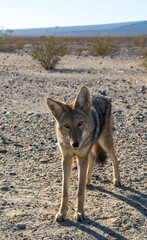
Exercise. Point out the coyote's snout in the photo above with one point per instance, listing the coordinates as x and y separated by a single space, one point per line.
74 127
84 130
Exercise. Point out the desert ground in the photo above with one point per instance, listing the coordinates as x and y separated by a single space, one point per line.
30 160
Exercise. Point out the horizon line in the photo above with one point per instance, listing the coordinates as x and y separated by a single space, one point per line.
14 29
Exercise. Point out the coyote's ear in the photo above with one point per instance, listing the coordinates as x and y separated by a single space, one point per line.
83 100
57 108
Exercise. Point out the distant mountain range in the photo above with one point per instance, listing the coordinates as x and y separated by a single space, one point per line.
115 29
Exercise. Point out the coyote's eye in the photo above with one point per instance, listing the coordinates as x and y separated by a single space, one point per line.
80 123
66 125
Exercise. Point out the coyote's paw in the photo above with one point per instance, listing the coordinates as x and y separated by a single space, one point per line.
60 217
116 182
80 216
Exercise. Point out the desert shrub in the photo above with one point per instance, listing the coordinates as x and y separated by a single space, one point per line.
136 41
79 50
8 43
49 52
140 41
143 52
2 41
14 44
144 64
103 46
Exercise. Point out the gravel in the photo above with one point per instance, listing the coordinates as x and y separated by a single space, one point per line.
30 169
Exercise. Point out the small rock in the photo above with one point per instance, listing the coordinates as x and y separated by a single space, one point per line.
18 145
43 161
17 154
104 93
5 189
40 149
27 205
8 116
38 115
21 226
4 203
12 174
4 141
143 89
3 151
119 111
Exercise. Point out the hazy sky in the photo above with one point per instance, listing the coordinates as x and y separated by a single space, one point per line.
16 14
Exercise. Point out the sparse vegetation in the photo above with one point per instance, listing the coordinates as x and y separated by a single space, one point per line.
103 46
144 64
139 41
2 41
10 44
79 50
48 52
30 171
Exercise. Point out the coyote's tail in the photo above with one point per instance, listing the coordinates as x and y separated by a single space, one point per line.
99 154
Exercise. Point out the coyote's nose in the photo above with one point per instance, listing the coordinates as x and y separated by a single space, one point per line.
75 144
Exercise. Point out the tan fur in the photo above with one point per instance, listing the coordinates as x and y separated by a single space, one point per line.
77 135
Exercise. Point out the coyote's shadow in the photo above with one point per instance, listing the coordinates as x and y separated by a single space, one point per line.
134 201
86 225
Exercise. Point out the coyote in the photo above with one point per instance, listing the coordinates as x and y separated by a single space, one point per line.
84 130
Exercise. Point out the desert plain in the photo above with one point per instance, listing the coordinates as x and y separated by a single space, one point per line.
30 160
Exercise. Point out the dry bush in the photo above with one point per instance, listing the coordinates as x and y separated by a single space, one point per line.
103 46
10 44
144 64
139 41
79 50
141 44
143 50
2 41
48 51
14 44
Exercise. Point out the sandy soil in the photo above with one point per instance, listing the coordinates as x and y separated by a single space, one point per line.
30 161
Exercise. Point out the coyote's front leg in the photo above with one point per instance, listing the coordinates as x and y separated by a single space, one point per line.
66 168
83 163
90 168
